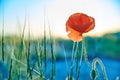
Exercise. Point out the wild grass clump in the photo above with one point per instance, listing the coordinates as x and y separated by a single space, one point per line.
21 63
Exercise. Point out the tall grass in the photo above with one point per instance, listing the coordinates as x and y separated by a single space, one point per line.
29 74
53 55
44 44
41 57
10 70
21 46
38 54
3 43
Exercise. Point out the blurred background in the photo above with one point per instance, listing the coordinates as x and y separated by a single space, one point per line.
103 41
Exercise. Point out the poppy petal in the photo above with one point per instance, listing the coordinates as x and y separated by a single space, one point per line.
91 25
80 22
73 34
77 24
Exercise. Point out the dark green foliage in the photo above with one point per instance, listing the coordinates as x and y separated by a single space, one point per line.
10 70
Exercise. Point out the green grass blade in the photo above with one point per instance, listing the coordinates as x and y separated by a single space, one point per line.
3 45
38 53
3 53
53 56
22 36
28 55
41 62
10 71
44 43
3 36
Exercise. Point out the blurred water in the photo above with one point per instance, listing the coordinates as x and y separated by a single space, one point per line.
112 69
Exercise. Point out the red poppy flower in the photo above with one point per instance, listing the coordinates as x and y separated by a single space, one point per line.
77 24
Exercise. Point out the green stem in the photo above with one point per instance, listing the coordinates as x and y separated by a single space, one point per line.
79 66
10 71
71 67
93 74
3 53
53 56
65 60
45 55
41 62
28 54
84 51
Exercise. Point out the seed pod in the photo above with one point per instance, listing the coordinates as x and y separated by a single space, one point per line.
93 74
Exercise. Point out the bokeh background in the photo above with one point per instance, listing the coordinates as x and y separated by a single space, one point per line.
103 41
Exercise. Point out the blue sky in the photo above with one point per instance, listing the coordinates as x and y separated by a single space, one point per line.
56 12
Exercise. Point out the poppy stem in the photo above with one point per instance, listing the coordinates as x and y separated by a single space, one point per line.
73 52
65 59
76 51
71 67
